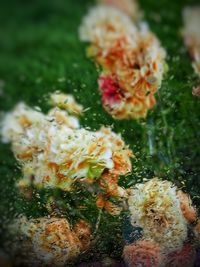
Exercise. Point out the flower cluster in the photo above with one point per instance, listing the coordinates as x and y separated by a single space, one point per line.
191 34
130 7
132 61
49 241
55 152
164 215
156 208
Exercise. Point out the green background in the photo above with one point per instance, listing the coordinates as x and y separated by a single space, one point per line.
40 52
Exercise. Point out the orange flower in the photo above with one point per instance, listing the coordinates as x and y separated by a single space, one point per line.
188 210
196 90
55 241
132 76
109 183
110 207
122 104
132 61
101 201
45 241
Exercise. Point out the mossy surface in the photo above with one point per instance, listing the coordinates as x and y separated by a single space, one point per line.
40 52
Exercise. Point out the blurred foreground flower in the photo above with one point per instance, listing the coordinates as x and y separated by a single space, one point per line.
54 152
191 34
48 241
187 208
132 61
156 208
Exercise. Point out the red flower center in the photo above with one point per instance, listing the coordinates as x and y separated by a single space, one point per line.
110 90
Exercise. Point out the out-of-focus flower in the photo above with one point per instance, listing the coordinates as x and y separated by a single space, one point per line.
131 58
188 210
67 155
55 152
130 7
66 102
196 91
51 241
144 253
103 203
22 117
109 182
16 121
155 207
185 257
62 117
104 24
121 153
191 34
122 105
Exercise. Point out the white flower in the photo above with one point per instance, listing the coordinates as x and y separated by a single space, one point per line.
155 207
16 121
66 102
54 152
130 7
191 34
105 23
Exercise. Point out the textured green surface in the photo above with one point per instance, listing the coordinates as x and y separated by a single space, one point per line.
40 52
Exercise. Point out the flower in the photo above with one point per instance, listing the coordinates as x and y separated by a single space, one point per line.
67 155
188 210
54 242
103 203
122 105
66 102
54 152
185 257
191 34
103 24
50 241
131 58
130 7
17 121
196 91
144 253
155 207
